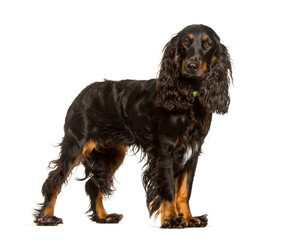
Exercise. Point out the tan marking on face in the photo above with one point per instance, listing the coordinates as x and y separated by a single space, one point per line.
204 38
191 36
204 66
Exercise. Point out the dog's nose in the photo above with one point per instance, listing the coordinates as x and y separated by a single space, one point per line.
192 66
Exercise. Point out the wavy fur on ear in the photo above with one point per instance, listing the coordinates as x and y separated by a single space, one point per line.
214 93
172 92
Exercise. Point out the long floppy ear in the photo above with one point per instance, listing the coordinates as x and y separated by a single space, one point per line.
172 93
214 94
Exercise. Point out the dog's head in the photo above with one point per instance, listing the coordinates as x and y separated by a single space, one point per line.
194 60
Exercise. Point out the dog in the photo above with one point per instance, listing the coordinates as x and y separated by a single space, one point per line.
167 118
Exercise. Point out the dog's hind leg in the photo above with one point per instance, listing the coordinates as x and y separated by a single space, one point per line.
71 155
100 167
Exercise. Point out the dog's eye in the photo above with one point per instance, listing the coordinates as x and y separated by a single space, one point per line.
186 42
207 45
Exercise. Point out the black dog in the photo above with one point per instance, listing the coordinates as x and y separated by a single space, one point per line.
168 118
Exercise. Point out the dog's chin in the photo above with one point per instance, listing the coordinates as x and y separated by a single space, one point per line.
191 76
195 80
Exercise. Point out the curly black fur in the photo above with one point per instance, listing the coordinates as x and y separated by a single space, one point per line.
160 116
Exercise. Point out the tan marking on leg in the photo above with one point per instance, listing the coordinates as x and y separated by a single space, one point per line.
120 152
168 210
182 202
89 146
50 209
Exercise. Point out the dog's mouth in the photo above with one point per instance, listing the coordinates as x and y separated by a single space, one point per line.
193 75
190 75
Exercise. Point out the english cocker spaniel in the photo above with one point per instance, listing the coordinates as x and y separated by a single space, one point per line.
167 118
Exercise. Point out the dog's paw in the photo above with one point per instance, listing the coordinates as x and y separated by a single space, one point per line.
111 218
48 221
174 222
200 221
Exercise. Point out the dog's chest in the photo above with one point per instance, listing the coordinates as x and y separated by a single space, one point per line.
190 152
186 156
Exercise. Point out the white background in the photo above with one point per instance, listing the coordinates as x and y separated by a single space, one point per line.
50 50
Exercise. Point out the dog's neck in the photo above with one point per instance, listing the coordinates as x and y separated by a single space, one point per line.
195 94
195 83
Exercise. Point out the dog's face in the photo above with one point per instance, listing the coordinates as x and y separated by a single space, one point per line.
197 45
194 60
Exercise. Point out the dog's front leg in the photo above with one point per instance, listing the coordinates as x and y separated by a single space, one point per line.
168 211
159 184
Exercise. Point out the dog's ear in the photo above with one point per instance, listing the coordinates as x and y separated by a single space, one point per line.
171 92
169 71
214 92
